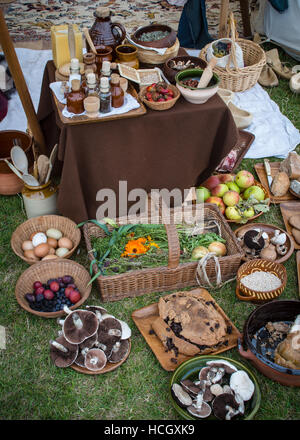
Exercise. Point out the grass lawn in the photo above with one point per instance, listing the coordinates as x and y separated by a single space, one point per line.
31 387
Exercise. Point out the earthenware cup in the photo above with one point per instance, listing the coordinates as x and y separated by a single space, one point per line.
91 105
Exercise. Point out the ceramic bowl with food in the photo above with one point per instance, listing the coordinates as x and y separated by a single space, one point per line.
180 63
155 35
187 81
191 372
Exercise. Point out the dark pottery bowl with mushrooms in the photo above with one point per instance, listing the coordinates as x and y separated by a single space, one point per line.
271 341
177 64
214 388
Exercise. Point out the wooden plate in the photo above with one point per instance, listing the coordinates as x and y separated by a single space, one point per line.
108 367
269 229
144 317
262 175
287 210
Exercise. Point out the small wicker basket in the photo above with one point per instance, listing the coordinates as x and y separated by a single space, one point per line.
240 79
149 56
164 105
45 270
176 275
245 294
41 224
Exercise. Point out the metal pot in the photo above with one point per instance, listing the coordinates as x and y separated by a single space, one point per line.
269 312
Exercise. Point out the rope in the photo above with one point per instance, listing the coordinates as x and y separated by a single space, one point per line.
202 274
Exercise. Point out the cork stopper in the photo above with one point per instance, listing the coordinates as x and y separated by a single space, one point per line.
74 63
106 67
115 78
91 78
104 84
89 58
102 12
75 85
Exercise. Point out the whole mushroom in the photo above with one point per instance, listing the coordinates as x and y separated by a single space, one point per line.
241 384
79 325
119 351
62 353
95 359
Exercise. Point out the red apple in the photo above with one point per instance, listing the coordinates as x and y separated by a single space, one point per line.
54 286
244 179
224 178
211 182
37 284
219 190
74 296
231 198
217 201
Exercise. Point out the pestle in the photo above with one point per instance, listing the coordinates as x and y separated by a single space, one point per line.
89 40
207 74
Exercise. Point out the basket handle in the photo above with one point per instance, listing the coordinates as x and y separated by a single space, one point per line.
242 297
232 34
174 246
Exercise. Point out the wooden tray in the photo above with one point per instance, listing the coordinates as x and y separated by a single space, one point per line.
287 210
242 146
83 119
262 175
108 367
143 319
269 229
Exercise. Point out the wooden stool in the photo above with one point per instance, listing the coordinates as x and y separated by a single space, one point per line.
244 5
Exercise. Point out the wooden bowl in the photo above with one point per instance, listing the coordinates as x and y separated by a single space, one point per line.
170 73
41 224
246 294
45 270
269 229
166 105
167 41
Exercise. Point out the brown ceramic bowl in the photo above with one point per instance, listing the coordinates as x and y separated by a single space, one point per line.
170 73
167 41
274 311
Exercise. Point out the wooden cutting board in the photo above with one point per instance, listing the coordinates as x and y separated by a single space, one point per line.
144 317
287 210
262 175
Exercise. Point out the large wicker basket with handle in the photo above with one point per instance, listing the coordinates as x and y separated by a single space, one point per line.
240 79
174 276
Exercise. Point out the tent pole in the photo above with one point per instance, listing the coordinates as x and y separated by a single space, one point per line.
19 80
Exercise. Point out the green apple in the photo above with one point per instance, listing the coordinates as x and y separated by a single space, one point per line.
231 198
232 213
254 191
244 179
219 190
233 187
202 194
248 213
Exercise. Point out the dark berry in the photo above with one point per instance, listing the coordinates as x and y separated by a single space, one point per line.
39 290
67 279
30 297
39 297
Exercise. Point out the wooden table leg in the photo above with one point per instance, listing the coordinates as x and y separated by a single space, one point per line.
21 86
223 18
244 5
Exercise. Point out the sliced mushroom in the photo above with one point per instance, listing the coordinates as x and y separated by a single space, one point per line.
190 387
228 367
216 389
203 374
119 351
62 353
215 374
95 359
241 384
181 396
225 406
79 325
202 412
109 331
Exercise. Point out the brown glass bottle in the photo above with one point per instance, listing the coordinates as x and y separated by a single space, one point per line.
117 93
75 98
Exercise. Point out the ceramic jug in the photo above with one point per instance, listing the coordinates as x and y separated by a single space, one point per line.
104 32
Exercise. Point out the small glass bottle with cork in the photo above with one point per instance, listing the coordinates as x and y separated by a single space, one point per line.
105 95
106 69
117 93
74 71
91 85
75 98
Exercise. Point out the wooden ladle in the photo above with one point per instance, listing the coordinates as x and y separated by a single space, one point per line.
89 40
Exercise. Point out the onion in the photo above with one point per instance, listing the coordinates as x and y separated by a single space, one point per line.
217 248
199 252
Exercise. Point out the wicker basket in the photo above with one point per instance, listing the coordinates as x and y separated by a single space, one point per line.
149 56
45 270
240 79
41 224
175 275
164 105
246 294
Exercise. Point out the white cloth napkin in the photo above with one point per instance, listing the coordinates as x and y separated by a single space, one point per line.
161 51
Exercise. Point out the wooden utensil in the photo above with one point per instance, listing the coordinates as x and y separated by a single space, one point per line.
51 162
43 166
207 74
298 270
71 41
89 40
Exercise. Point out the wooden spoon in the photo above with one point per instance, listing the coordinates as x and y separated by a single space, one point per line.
51 162
43 166
207 74
89 40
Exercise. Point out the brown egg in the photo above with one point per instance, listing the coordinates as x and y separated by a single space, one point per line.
27 245
30 254
50 257
51 251
65 242
52 242
42 250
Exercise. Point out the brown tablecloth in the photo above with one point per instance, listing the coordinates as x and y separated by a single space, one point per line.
177 148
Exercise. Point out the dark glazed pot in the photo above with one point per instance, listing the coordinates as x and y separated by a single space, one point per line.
167 41
269 312
104 53
171 73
